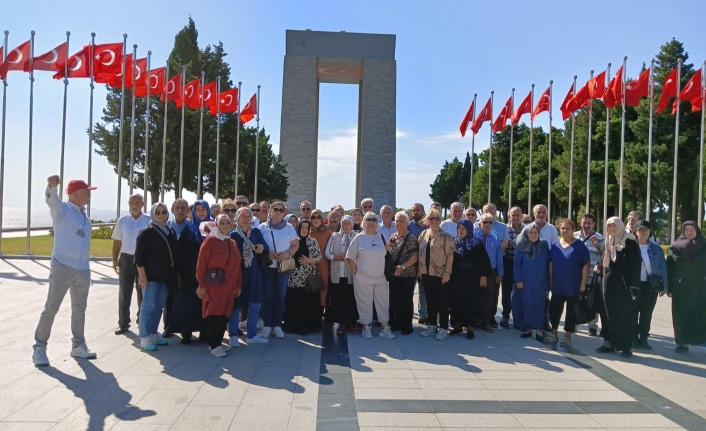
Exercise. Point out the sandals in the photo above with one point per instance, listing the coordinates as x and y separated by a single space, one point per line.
566 341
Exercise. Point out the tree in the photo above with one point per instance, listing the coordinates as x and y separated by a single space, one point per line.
448 185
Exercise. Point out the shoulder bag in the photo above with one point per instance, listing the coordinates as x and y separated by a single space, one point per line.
286 265
217 276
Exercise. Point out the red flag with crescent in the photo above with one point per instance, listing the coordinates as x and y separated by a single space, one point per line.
228 101
210 94
596 86
250 110
580 99
467 118
52 60
638 89
613 95
692 91
486 114
107 58
17 59
192 91
542 103
524 108
565 112
172 90
503 116
156 80
669 90
79 65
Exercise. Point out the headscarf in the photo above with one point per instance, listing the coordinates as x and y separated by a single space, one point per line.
322 227
346 236
210 228
523 243
248 246
196 222
357 227
163 226
615 244
303 248
686 248
468 241
289 216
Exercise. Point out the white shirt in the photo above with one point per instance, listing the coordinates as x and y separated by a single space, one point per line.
283 238
549 234
387 231
368 253
646 267
126 230
451 227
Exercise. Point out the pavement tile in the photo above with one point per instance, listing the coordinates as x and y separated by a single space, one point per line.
477 420
213 418
405 420
633 421
554 421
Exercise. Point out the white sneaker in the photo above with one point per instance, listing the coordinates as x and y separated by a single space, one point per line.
218 352
83 352
243 326
39 357
431 330
260 324
367 332
158 340
442 335
386 333
234 342
266 331
257 340
147 344
278 332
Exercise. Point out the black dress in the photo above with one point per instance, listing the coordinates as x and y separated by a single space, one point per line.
186 316
302 310
466 296
622 280
687 285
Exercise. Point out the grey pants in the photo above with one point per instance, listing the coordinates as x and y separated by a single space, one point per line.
62 279
128 282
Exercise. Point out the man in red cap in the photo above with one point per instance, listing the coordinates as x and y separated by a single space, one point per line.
69 267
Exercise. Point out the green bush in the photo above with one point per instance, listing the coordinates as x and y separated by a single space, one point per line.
103 232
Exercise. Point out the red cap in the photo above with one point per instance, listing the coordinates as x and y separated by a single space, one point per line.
76 185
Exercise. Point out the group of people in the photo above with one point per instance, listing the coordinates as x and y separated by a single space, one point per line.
260 270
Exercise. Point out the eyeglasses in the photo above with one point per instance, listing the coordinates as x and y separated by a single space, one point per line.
306 209
278 210
241 203
487 222
230 210
316 217
165 212
371 219
472 215
255 210
434 218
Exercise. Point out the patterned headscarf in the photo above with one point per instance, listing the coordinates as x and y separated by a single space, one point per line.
322 227
247 252
210 228
523 243
346 236
468 241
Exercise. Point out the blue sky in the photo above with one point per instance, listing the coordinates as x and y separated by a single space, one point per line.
446 51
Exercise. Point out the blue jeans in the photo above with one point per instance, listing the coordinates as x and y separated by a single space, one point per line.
253 317
154 298
274 291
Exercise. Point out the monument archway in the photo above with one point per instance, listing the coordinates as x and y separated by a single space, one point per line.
367 60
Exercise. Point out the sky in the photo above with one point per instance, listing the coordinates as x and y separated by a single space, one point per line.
446 51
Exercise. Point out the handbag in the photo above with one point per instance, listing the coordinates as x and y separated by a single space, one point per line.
264 260
654 281
584 307
217 276
286 265
314 284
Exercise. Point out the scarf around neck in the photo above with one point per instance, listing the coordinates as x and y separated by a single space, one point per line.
468 241
162 226
210 228
247 246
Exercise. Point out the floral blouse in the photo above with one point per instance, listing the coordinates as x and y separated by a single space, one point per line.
302 273
441 248
401 255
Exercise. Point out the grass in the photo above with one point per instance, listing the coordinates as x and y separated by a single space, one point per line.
42 246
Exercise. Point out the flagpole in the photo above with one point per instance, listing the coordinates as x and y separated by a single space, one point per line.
29 152
90 120
2 138
701 150
181 150
122 118
607 141
622 142
147 126
165 91
549 167
132 118
588 160
676 157
490 148
237 144
648 207
571 156
512 145
63 120
198 175
529 178
473 144
218 134
257 139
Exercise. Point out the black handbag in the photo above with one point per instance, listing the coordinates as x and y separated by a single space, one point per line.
654 281
584 309
217 276
314 284
264 260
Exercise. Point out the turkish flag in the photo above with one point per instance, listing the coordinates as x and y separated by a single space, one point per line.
52 60
210 94
669 90
156 80
613 95
638 89
486 114
564 108
580 99
107 59
17 59
691 92
596 86
524 108
250 110
228 102
543 103
192 91
503 116
79 65
172 90
116 79
467 118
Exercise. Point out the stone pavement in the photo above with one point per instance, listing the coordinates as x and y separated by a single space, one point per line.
324 382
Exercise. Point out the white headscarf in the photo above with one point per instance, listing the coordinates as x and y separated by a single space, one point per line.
210 228
615 244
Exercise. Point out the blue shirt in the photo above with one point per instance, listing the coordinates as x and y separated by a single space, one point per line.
416 228
567 267
72 231
492 246
179 228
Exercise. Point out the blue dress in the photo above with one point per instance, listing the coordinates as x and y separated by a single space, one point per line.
529 304
567 267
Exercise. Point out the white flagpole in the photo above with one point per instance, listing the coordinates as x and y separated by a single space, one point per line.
237 144
549 167
622 143
63 121
473 144
571 156
218 135
120 135
257 139
181 150
701 150
672 229
2 138
648 207
132 118
198 175
90 120
512 145
588 159
147 127
490 149
607 141
529 178
29 152
164 134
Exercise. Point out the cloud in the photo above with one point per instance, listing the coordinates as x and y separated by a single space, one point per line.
401 134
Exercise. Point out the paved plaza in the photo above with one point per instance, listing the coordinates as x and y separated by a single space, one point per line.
324 382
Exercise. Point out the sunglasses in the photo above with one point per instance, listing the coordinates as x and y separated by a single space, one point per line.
434 218
487 222
371 219
240 204
316 217
472 215
230 210
278 210
165 212
256 210
306 209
